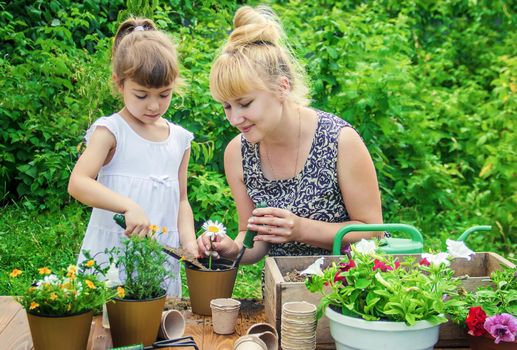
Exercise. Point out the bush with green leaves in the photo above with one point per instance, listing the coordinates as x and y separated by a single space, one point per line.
430 86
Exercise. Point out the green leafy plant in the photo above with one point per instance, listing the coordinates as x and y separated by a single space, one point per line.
491 309
375 286
65 293
141 263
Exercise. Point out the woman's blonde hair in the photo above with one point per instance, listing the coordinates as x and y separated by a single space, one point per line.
256 57
145 55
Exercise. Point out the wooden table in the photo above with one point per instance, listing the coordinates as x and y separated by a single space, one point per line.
15 333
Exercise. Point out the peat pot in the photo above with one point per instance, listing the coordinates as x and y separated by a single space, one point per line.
60 332
135 321
205 285
352 333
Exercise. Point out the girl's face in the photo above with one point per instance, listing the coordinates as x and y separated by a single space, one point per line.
145 104
255 114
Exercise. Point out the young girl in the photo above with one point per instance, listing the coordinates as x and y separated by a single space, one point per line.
136 162
310 167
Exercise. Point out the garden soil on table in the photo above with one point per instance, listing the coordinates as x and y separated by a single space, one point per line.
248 306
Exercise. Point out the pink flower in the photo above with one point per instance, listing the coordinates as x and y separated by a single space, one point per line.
502 327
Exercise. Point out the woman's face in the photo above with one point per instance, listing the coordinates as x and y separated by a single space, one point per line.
255 114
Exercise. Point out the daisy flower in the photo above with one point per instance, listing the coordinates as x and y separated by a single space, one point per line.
213 229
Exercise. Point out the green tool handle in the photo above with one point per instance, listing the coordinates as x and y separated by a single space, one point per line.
465 234
130 347
411 230
120 219
248 239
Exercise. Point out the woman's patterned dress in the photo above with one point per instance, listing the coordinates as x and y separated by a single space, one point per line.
313 193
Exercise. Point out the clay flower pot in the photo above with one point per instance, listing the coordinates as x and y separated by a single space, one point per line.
60 332
206 285
135 321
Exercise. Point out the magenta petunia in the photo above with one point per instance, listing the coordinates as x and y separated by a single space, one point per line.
502 327
424 262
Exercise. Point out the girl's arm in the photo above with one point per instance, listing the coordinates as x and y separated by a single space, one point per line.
359 188
185 216
84 187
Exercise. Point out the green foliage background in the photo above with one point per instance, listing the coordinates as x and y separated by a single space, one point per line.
430 85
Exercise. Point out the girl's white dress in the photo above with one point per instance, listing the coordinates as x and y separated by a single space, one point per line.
146 172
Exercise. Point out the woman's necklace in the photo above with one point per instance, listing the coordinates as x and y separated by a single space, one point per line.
297 150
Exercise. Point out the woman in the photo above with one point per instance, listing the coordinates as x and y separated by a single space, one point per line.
311 168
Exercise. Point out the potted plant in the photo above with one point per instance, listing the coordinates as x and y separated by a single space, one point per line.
216 281
60 305
489 313
138 270
374 300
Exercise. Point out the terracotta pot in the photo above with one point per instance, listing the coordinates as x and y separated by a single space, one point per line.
486 342
60 332
205 285
135 321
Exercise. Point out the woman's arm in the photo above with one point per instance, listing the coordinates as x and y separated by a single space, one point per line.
227 247
185 216
358 184
84 187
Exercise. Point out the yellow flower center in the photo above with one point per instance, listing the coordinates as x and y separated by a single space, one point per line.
213 229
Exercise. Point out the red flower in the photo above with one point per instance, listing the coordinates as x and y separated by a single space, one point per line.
425 262
345 267
339 278
397 264
379 265
475 321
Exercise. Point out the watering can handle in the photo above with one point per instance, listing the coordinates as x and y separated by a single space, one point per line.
411 230
465 234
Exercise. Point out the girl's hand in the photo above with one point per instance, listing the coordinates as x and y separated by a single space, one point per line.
275 225
192 248
224 246
136 222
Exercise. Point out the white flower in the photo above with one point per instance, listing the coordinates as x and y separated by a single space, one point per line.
458 249
365 246
437 259
50 279
112 277
314 268
213 229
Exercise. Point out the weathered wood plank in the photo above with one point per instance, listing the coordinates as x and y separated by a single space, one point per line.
15 335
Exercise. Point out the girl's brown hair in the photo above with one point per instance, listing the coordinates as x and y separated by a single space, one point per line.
256 57
145 55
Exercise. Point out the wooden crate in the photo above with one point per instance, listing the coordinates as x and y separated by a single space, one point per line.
277 291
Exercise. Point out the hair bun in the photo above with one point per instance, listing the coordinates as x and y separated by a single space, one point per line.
255 25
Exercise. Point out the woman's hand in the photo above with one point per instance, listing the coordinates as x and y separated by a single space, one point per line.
275 225
223 246
136 222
